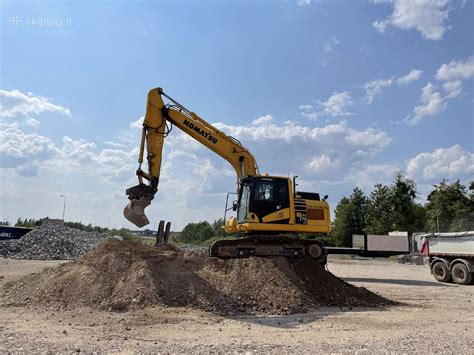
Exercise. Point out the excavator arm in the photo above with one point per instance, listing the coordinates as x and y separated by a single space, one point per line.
158 122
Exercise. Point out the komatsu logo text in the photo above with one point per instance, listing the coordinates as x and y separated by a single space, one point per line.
199 131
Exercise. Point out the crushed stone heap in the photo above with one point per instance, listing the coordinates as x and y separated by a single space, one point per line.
52 240
120 275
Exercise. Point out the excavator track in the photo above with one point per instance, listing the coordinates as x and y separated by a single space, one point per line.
267 246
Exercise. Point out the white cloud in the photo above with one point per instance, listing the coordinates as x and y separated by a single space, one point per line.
112 143
262 120
27 154
381 1
308 111
331 44
367 175
413 75
456 70
432 103
306 2
138 124
337 104
15 103
28 170
453 88
323 163
453 162
380 26
375 87
326 152
18 148
32 122
332 135
426 16
9 124
78 151
109 164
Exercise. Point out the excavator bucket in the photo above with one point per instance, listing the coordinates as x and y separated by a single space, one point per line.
135 212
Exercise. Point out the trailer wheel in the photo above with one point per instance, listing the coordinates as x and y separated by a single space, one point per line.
461 275
441 272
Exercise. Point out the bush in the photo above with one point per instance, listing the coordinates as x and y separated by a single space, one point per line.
196 233
122 232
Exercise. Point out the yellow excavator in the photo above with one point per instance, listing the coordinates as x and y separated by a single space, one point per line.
270 213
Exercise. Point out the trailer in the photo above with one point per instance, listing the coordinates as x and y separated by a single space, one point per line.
375 246
451 256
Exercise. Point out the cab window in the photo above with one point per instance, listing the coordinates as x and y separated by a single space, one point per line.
242 213
264 191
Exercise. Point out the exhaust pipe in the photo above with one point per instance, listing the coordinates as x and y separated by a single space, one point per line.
134 212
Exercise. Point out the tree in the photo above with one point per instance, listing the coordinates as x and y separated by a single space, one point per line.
217 227
196 233
450 208
379 217
394 208
29 223
350 214
405 212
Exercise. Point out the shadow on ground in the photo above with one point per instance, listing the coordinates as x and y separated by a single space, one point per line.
292 321
396 281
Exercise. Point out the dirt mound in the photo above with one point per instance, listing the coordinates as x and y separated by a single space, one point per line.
121 275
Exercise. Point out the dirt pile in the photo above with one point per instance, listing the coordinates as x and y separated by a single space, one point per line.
121 275
52 241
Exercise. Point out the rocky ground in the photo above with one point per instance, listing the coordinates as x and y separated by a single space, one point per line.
51 241
434 317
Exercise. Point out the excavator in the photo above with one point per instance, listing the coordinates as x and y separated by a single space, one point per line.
271 215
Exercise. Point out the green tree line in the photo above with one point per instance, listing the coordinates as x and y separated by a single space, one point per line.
201 233
449 208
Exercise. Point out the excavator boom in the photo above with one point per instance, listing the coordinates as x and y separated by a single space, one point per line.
159 119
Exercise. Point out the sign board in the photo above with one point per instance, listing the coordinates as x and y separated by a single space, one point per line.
8 233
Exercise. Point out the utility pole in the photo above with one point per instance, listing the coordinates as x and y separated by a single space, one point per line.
64 206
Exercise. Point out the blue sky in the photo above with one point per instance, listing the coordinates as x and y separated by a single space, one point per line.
341 93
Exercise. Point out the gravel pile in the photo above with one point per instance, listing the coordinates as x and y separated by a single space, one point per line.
120 275
52 240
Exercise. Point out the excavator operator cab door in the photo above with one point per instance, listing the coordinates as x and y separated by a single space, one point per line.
264 200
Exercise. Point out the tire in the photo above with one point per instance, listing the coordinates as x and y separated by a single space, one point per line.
461 275
441 272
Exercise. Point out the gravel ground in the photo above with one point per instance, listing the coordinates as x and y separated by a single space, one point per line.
193 248
52 241
434 318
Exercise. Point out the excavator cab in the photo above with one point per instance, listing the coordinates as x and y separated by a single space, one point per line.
264 199
261 199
